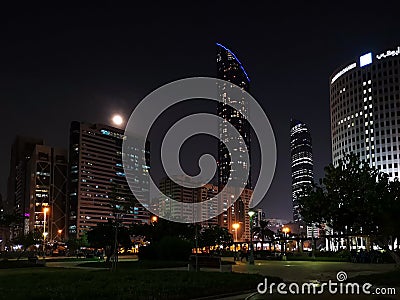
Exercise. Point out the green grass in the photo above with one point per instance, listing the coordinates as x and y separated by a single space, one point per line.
389 279
142 264
82 259
53 283
321 258
11 264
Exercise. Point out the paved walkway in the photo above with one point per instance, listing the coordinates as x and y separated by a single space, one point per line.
304 271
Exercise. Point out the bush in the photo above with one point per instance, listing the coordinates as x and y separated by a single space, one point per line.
168 248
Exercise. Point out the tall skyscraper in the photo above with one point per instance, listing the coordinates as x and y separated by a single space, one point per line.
21 151
230 69
98 184
46 184
365 110
302 162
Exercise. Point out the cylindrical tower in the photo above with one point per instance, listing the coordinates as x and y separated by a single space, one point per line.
302 162
365 110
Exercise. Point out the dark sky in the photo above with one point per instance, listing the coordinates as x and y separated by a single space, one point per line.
59 64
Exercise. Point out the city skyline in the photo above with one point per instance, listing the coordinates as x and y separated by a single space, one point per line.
58 71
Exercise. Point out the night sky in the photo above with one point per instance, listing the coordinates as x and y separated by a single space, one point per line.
59 64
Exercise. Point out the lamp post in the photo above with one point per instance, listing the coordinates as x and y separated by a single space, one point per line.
59 231
286 231
251 256
45 210
236 227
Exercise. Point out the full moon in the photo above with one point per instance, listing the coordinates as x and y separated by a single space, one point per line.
117 120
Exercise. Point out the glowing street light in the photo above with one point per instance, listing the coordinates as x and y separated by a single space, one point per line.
154 219
45 210
59 231
286 230
236 227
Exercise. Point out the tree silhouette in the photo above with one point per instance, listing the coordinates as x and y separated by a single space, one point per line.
354 198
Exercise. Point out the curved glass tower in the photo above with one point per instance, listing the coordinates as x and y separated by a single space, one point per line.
365 110
230 69
302 161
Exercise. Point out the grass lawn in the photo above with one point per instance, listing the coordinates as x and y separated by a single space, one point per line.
142 264
389 279
54 283
322 258
11 264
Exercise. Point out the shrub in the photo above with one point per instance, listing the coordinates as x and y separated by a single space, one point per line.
168 248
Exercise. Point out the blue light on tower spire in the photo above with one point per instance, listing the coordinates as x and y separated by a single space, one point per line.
234 56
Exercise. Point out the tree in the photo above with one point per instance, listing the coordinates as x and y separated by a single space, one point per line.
263 231
74 243
215 235
355 198
103 236
155 231
27 240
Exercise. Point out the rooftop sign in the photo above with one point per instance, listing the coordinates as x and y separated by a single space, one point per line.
341 72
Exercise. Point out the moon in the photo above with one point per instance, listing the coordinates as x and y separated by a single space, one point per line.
117 120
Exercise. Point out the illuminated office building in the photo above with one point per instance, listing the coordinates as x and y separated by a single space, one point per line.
174 188
230 69
365 110
302 162
21 151
98 186
46 183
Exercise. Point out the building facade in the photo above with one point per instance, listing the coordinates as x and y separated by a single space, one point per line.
230 69
46 187
174 188
98 190
365 110
301 162
21 151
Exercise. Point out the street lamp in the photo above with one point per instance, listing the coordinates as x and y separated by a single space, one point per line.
251 256
286 231
45 210
59 231
236 227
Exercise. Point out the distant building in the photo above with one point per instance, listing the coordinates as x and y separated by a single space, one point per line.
365 110
259 216
230 69
46 187
302 162
237 212
276 224
97 182
21 151
175 189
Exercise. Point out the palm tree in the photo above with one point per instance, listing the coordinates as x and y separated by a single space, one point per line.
262 231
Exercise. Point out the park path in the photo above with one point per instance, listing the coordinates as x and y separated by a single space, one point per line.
305 271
